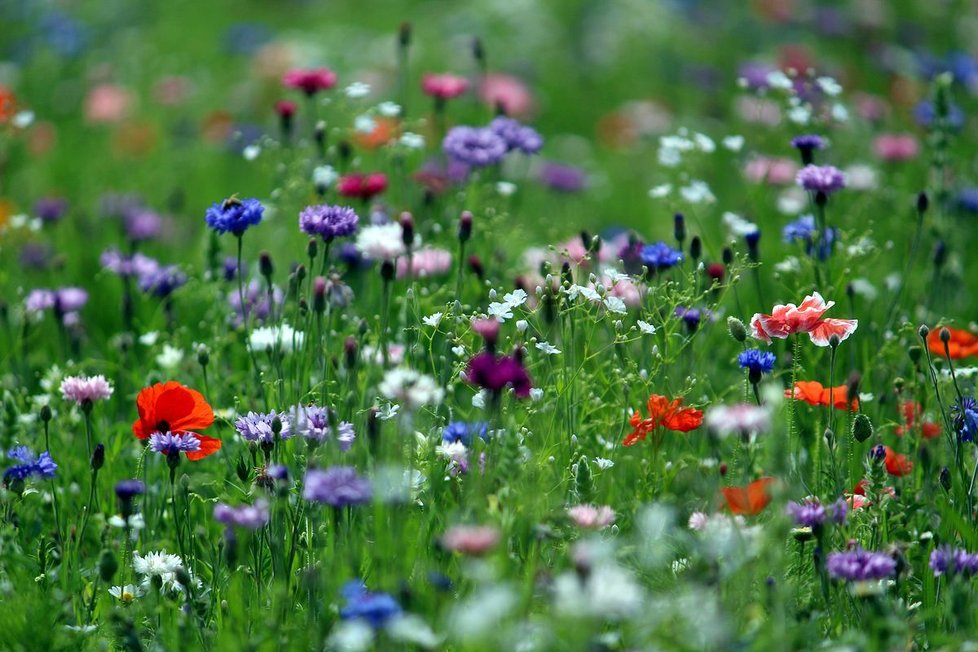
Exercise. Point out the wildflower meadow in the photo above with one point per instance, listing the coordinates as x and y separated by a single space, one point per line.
517 325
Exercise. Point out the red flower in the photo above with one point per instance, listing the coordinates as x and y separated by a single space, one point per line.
962 344
812 392
310 81
897 464
749 500
171 407
911 412
665 414
444 87
362 186
789 319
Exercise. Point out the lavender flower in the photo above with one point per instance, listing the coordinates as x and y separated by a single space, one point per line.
257 306
517 135
337 486
182 442
562 178
821 178
328 222
257 427
250 517
51 209
234 215
860 565
475 146
82 389
142 225
946 560
163 281
29 465
807 145
808 513
136 265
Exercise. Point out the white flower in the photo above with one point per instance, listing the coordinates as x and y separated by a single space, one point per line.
536 393
381 242
411 140
281 337
670 157
791 264
515 298
479 398
704 143
126 593
23 119
778 79
388 412
501 311
411 629
357 90
792 201
609 592
251 152
660 191
603 463
156 564
351 636
458 350
364 124
389 109
324 176
615 304
738 226
840 113
170 357
646 327
733 143
411 388
548 348
829 86
697 192
860 177
433 320
864 288
800 114
149 339
744 419
505 188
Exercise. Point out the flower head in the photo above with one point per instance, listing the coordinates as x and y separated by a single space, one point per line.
234 215
41 466
743 419
517 135
860 565
663 414
591 517
82 389
444 87
945 560
381 242
821 178
749 500
789 319
376 609
167 442
362 186
328 222
411 388
170 408
756 361
487 371
960 344
249 517
310 81
464 433
474 146
337 486
257 427
659 256
470 540
812 392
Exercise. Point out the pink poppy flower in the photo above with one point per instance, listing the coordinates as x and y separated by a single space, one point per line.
589 516
444 87
896 147
508 92
789 319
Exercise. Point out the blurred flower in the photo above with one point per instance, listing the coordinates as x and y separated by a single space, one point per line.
51 209
425 263
443 87
562 178
362 186
376 609
591 517
749 500
506 92
82 389
860 565
107 103
961 343
812 392
945 560
821 178
410 388
660 256
28 465
896 147
912 411
494 374
517 135
250 517
337 486
310 81
743 420
470 540
474 146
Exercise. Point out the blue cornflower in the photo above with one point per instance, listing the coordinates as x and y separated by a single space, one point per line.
517 135
41 466
659 256
967 200
328 221
757 361
461 432
801 230
860 565
164 442
234 215
377 609
162 281
257 427
966 418
925 114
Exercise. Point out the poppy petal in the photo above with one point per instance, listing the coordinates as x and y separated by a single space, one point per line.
824 329
208 446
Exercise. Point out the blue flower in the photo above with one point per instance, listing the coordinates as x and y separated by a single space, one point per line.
459 431
660 256
234 215
925 114
966 419
41 466
967 200
377 609
757 361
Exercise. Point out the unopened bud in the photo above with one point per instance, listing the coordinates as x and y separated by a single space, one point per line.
737 329
862 427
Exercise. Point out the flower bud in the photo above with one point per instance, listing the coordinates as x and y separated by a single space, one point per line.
945 478
407 229
695 248
737 329
923 202
312 248
862 427
679 228
945 335
350 352
98 457
386 271
265 265
465 226
107 565
45 413
923 331
319 295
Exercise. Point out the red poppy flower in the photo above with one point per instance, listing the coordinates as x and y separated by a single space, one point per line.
171 407
362 186
897 464
444 87
789 319
962 344
749 500
812 392
666 414
911 412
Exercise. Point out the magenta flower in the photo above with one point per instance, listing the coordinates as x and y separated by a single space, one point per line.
489 372
444 87
310 81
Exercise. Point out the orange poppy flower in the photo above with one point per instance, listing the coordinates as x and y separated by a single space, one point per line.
666 414
385 129
812 392
749 500
962 344
8 104
911 412
171 407
897 464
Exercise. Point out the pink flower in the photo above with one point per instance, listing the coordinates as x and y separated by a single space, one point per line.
470 540
444 87
896 147
172 90
698 521
425 262
310 81
775 171
789 319
589 516
85 389
624 289
508 92
743 419
107 103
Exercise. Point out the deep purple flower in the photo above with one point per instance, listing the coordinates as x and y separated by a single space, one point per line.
328 222
807 145
257 427
517 135
946 560
808 513
29 465
51 209
659 256
162 281
35 255
377 609
128 489
337 486
562 178
234 215
475 146
487 371
860 565
821 178
250 517
691 316
231 268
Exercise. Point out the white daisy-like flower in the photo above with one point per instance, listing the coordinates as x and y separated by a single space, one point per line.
646 327
364 124
660 191
276 337
126 593
733 143
432 320
381 242
389 109
500 311
697 192
548 348
515 298
156 564
411 140
357 90
411 388
615 304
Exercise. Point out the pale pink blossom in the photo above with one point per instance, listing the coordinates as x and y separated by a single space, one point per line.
589 516
425 262
107 103
775 171
85 389
508 92
470 540
896 147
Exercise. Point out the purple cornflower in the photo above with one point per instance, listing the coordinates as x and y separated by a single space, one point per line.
35 255
250 517
337 486
345 435
181 442
128 489
946 560
328 222
312 422
257 306
562 178
475 146
142 225
756 361
257 427
163 281
121 265
808 513
517 135
691 316
234 215
51 209
29 465
65 302
807 145
231 268
860 565
463 433
377 609
825 179
659 256
487 371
